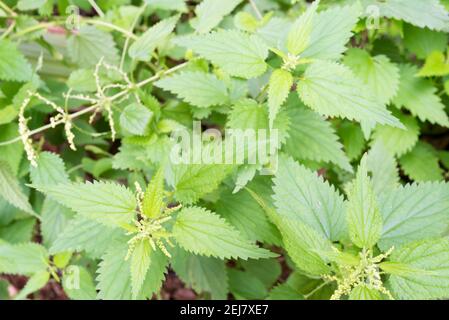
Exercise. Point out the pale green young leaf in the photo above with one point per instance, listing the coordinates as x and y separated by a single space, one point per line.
423 42
82 80
300 194
363 217
202 232
135 119
153 201
300 33
378 73
363 292
140 264
34 283
419 97
143 48
436 65
332 90
209 13
11 191
431 260
422 163
281 82
236 52
311 137
331 31
88 45
78 283
430 13
414 212
104 202
13 65
23 259
197 88
203 274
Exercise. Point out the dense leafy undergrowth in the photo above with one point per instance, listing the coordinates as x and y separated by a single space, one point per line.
99 198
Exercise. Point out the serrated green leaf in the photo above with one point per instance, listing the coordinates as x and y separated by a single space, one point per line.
153 201
23 259
13 65
10 190
363 292
383 167
419 97
140 264
78 283
200 231
236 52
143 48
245 286
281 82
300 194
105 202
197 88
413 212
436 65
12 153
300 33
378 73
209 13
311 137
332 90
352 138
423 42
50 170
363 216
24 5
135 119
88 45
431 257
422 163
203 274
34 283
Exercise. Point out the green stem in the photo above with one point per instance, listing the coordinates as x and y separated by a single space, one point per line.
96 8
7 9
307 296
256 10
97 105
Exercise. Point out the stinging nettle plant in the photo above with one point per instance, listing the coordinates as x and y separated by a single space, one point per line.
92 94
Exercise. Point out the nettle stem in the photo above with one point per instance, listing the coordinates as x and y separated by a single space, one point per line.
94 107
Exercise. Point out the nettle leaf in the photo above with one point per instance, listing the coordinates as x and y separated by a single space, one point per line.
378 73
422 14
50 170
209 13
197 88
300 194
422 163
83 234
11 191
429 279
153 201
236 52
423 42
305 246
135 119
12 153
281 82
23 259
352 138
88 45
24 5
193 181
436 66
300 33
332 90
143 48
105 202
140 263
331 32
34 283
200 231
363 292
414 212
311 137
54 219
398 141
13 65
203 274
383 167
363 216
419 96
178 5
